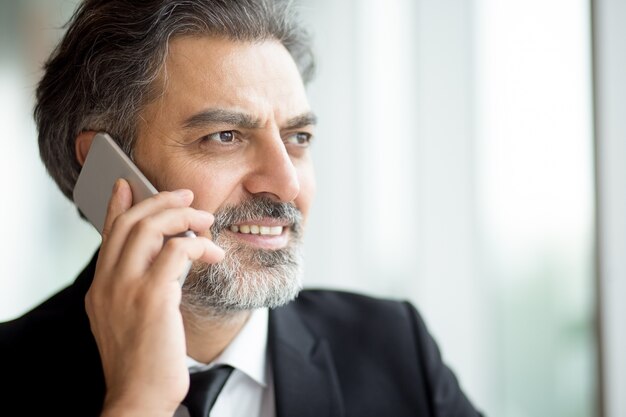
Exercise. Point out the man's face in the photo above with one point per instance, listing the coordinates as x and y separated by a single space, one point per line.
233 125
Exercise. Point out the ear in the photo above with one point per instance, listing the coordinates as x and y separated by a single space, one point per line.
82 145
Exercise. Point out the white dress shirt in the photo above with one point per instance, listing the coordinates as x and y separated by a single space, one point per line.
249 392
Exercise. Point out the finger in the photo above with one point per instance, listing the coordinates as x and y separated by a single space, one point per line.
120 201
158 202
123 223
146 239
172 260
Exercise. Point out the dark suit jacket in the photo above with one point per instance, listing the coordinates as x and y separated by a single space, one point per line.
333 354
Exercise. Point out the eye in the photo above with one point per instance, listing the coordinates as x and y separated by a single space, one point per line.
299 139
225 136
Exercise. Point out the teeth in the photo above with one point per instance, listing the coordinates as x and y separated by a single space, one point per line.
257 230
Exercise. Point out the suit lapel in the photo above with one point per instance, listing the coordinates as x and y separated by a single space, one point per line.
305 379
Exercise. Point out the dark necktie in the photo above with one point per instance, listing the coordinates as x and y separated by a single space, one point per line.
204 388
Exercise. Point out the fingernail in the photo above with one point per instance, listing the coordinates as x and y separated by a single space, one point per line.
182 193
117 185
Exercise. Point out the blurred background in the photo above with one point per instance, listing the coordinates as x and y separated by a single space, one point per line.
471 158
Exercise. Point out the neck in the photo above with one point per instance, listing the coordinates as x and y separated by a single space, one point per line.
207 337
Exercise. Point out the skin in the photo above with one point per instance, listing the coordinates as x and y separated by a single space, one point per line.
134 302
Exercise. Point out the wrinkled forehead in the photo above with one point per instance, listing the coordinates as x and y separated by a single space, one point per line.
258 78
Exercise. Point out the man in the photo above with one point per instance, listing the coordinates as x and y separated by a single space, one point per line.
208 98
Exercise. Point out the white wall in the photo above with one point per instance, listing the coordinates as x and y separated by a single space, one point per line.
610 32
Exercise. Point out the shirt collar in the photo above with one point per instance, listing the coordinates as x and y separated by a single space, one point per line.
248 350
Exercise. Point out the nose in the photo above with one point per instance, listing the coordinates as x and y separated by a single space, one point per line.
273 173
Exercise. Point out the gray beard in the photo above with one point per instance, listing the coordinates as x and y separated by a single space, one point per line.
247 278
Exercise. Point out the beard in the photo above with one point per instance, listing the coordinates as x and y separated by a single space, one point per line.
247 278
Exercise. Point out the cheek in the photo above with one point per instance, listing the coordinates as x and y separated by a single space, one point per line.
213 185
214 189
214 181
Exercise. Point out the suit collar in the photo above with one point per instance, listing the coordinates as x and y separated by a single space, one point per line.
305 378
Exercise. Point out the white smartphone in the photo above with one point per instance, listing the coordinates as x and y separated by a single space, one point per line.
105 163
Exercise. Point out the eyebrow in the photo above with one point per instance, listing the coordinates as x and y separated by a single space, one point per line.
305 119
242 120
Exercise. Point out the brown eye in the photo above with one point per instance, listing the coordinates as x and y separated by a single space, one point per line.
299 139
226 136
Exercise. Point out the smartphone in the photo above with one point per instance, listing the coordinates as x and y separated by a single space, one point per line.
105 163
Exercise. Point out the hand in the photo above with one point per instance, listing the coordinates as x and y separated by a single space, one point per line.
133 302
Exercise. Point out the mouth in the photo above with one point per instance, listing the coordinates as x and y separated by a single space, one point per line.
270 234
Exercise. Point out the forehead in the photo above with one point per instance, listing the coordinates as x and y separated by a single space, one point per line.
258 78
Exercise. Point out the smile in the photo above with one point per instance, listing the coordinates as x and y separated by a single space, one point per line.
256 229
266 233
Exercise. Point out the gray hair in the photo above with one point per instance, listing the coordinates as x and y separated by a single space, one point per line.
102 72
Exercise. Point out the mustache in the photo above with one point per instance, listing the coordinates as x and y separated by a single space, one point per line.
257 208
